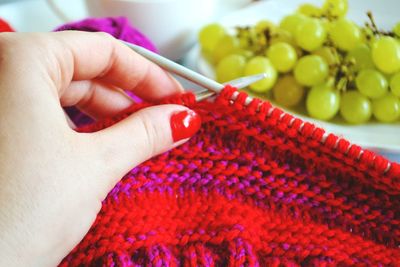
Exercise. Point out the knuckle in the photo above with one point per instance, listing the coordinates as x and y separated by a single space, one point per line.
104 35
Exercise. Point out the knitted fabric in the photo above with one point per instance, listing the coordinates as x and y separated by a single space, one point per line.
251 188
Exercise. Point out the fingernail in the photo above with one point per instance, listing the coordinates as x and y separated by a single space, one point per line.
184 124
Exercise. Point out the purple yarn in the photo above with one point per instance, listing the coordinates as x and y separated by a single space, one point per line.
118 27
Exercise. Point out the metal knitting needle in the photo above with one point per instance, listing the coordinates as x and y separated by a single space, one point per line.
177 69
245 81
192 76
239 83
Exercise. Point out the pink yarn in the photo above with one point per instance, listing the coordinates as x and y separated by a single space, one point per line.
119 27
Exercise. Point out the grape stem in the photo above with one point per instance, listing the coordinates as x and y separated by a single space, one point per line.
374 28
257 43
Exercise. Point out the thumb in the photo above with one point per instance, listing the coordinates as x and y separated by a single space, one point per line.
143 135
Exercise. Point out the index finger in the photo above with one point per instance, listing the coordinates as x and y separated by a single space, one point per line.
86 56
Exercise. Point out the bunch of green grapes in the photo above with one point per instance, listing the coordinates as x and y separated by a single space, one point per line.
314 58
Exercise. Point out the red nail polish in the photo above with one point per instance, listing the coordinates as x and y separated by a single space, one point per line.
184 124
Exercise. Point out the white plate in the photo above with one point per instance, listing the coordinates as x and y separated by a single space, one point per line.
375 136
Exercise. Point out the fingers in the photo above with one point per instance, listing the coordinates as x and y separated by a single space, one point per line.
96 99
54 60
86 56
141 136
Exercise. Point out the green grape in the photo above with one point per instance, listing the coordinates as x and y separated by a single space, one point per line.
395 84
323 102
226 45
396 29
310 34
386 108
282 36
230 68
355 107
210 34
335 8
311 70
345 34
361 57
246 36
386 54
287 91
261 65
245 52
283 56
291 22
309 10
329 54
326 24
262 25
371 83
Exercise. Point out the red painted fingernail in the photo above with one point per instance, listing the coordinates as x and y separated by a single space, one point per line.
184 124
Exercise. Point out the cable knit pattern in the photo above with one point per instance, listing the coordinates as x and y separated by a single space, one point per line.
254 187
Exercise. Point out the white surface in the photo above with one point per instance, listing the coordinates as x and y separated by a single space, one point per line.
35 15
171 24
384 138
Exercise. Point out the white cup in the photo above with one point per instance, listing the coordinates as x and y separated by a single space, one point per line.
170 24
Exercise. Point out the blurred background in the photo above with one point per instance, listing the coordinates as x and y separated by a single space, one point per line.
183 18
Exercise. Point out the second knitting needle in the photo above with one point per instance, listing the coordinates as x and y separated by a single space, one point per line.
237 83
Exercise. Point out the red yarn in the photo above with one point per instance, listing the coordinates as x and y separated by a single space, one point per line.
254 187
5 27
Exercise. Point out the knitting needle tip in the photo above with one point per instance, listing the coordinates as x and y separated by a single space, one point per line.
238 83
243 82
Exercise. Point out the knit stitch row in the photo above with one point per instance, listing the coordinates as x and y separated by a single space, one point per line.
254 187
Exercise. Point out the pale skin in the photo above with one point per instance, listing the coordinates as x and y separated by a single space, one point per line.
52 178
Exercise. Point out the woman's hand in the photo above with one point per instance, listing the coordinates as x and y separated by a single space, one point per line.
53 179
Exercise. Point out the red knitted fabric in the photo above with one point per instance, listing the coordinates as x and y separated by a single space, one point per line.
252 188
